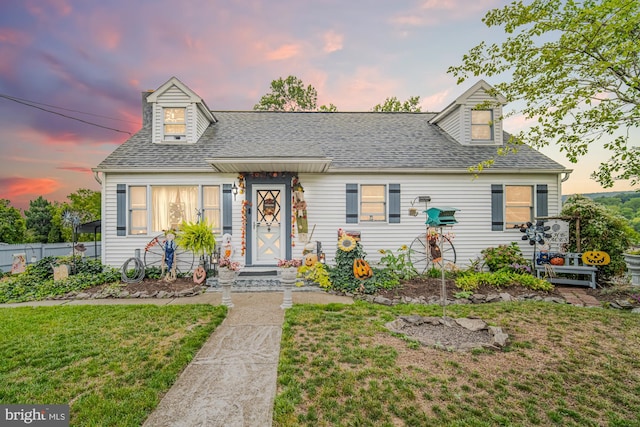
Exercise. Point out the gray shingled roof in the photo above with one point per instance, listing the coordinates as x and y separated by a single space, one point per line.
352 140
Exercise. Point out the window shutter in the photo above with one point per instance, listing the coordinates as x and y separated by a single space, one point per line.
542 200
497 207
352 203
121 210
227 209
394 203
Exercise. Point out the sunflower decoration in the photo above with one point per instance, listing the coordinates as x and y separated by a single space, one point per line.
346 243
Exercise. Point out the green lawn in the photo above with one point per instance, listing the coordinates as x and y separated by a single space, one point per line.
112 364
565 366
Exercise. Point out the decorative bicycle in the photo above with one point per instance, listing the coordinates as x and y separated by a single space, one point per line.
433 248
154 256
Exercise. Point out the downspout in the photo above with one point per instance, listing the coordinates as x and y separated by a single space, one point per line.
96 176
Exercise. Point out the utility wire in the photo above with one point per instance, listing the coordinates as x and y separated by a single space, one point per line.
30 104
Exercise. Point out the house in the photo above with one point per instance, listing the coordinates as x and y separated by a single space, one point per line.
276 180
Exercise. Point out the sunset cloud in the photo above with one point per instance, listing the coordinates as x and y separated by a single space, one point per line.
11 188
286 51
332 41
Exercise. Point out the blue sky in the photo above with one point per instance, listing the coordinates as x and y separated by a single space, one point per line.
95 58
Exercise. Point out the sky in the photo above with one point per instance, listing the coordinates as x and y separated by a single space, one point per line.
91 60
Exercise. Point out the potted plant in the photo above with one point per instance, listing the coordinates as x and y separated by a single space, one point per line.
227 269
632 258
196 237
289 268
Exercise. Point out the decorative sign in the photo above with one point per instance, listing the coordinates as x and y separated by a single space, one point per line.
269 206
19 263
559 231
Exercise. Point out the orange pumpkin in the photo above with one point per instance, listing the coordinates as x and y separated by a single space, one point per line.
556 261
362 269
310 260
199 275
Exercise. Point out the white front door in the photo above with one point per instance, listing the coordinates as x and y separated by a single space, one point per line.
268 218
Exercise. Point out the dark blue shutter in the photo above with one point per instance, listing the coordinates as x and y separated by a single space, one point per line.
352 203
227 209
121 210
497 207
394 203
542 200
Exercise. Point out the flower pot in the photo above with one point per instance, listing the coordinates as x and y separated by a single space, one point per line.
633 266
289 274
226 275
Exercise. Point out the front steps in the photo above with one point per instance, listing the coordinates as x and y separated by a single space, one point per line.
259 279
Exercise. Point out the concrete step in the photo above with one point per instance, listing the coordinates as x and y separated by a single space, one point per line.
259 279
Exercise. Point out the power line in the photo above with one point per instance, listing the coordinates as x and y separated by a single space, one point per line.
31 104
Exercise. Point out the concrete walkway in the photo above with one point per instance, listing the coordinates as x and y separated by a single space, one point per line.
231 382
578 296
232 379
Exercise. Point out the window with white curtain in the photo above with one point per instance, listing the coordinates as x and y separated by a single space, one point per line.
171 205
138 210
211 206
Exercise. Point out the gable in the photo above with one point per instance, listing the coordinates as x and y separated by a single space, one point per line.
179 115
470 122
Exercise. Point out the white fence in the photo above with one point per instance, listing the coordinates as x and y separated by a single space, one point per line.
34 252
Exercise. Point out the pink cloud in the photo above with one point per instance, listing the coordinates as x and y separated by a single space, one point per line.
332 41
17 187
14 37
286 51
76 169
438 12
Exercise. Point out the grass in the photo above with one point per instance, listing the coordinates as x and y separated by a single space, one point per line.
112 364
564 366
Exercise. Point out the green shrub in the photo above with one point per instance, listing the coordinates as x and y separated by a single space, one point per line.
318 274
37 283
503 257
600 230
398 264
501 279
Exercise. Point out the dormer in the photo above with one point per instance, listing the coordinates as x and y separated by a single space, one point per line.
179 115
474 117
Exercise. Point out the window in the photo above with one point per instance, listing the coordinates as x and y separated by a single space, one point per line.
481 125
138 210
519 205
171 205
174 122
373 203
211 206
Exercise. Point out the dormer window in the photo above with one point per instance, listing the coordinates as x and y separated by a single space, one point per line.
481 125
175 125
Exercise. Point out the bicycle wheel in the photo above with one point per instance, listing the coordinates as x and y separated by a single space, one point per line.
428 252
154 254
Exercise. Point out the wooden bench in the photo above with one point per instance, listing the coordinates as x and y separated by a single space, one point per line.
573 265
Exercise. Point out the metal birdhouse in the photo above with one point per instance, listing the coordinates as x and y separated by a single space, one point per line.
440 217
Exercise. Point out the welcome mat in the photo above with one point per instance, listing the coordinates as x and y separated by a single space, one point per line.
258 273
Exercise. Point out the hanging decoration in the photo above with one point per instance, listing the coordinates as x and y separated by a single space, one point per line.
300 212
246 206
241 184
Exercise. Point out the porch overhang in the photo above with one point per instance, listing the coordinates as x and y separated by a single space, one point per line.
270 164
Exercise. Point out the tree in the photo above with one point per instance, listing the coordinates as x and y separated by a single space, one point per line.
290 94
12 225
38 220
600 230
575 66
392 104
87 203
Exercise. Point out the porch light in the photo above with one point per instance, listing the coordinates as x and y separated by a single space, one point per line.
234 190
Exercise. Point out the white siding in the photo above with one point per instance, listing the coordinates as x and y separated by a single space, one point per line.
325 196
452 123
326 199
174 97
117 249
